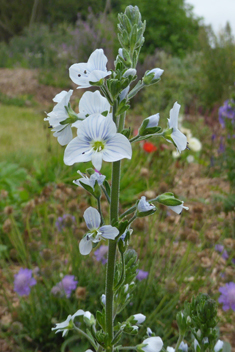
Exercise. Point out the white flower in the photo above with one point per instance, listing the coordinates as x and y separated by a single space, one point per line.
194 144
154 344
190 159
178 208
90 181
170 349
178 137
175 154
97 139
144 206
92 219
91 103
157 72
218 346
184 346
92 71
139 318
66 325
58 115
195 344
153 121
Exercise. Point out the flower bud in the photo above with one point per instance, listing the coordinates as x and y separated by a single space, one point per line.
152 76
150 125
89 318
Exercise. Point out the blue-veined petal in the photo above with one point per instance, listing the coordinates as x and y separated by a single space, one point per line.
174 112
97 60
180 140
63 133
96 159
92 218
92 103
77 151
97 75
79 74
117 148
109 232
85 245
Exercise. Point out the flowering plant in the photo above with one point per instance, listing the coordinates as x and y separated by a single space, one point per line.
103 136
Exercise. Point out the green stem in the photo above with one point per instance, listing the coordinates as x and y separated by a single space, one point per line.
133 139
100 211
106 194
180 339
85 335
112 253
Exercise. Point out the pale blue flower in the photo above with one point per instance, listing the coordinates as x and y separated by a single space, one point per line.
144 206
91 71
218 346
157 72
59 114
97 139
178 208
90 181
153 344
93 220
67 325
179 139
153 121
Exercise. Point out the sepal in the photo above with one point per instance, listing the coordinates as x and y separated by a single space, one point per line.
168 199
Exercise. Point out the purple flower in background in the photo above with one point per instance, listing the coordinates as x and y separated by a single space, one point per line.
100 254
220 248
65 286
141 274
226 111
23 281
227 297
221 146
63 221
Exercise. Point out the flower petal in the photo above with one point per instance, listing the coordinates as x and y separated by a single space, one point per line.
96 159
97 60
180 140
97 75
63 133
77 151
174 112
78 75
109 232
117 148
92 218
85 245
92 103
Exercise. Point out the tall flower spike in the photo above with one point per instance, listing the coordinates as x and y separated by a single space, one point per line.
59 114
91 103
92 71
175 136
93 220
97 139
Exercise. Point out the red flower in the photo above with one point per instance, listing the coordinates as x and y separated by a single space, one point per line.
149 147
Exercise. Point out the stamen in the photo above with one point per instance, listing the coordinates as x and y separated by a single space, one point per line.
79 75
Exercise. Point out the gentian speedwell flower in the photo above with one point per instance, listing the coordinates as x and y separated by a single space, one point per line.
90 181
218 346
183 346
92 103
145 208
227 297
101 254
141 274
65 286
67 325
23 281
97 139
178 208
173 135
153 344
58 116
93 220
92 71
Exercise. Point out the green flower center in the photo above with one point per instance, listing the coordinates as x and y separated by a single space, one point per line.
98 146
